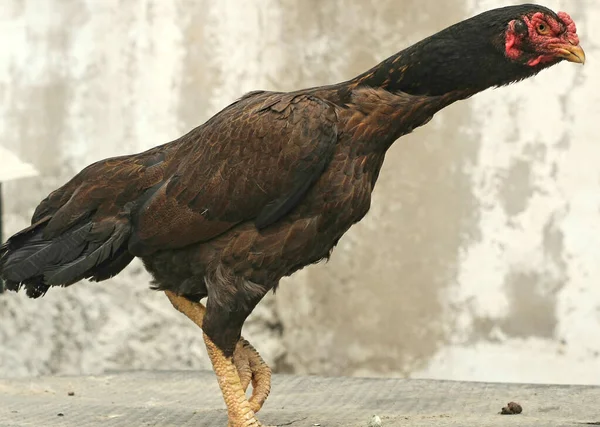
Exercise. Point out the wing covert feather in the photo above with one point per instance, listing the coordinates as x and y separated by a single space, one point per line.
255 160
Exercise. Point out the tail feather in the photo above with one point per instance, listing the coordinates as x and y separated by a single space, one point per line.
38 252
86 250
94 254
112 266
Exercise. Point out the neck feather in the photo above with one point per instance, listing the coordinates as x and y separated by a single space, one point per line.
466 57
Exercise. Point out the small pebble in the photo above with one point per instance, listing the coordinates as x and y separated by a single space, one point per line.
512 408
71 393
375 422
60 414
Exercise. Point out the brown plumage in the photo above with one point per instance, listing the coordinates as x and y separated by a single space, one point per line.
268 185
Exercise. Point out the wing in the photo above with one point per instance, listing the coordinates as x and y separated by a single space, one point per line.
82 229
254 161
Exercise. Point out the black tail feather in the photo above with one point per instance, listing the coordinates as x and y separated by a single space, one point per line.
86 250
82 267
112 266
38 254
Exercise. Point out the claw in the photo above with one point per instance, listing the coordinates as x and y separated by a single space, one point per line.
252 368
235 373
242 364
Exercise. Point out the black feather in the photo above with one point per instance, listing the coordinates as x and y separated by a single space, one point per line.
88 249
31 259
96 252
112 266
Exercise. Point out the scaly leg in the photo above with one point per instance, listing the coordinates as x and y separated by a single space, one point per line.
238 408
241 361
249 364
260 374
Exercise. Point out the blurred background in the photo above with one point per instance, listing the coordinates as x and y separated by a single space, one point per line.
479 260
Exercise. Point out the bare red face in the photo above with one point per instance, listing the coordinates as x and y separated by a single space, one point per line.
541 39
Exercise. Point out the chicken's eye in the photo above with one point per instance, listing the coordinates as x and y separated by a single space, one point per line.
542 28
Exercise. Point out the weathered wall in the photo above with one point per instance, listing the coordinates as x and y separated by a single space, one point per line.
477 260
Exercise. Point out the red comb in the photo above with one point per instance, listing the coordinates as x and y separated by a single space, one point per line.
568 22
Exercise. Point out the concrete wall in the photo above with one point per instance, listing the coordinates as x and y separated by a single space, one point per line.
478 260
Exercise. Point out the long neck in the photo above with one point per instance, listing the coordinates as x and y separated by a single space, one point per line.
460 58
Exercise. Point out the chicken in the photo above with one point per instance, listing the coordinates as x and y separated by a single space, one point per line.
267 186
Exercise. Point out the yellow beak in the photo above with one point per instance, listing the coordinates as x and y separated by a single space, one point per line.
572 53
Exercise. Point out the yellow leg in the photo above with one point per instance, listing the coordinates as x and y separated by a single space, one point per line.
242 364
248 363
238 408
260 375
195 311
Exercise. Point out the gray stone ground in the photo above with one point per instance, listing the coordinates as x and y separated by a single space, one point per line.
169 399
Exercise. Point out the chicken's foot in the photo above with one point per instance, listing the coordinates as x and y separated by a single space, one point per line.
239 410
249 364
